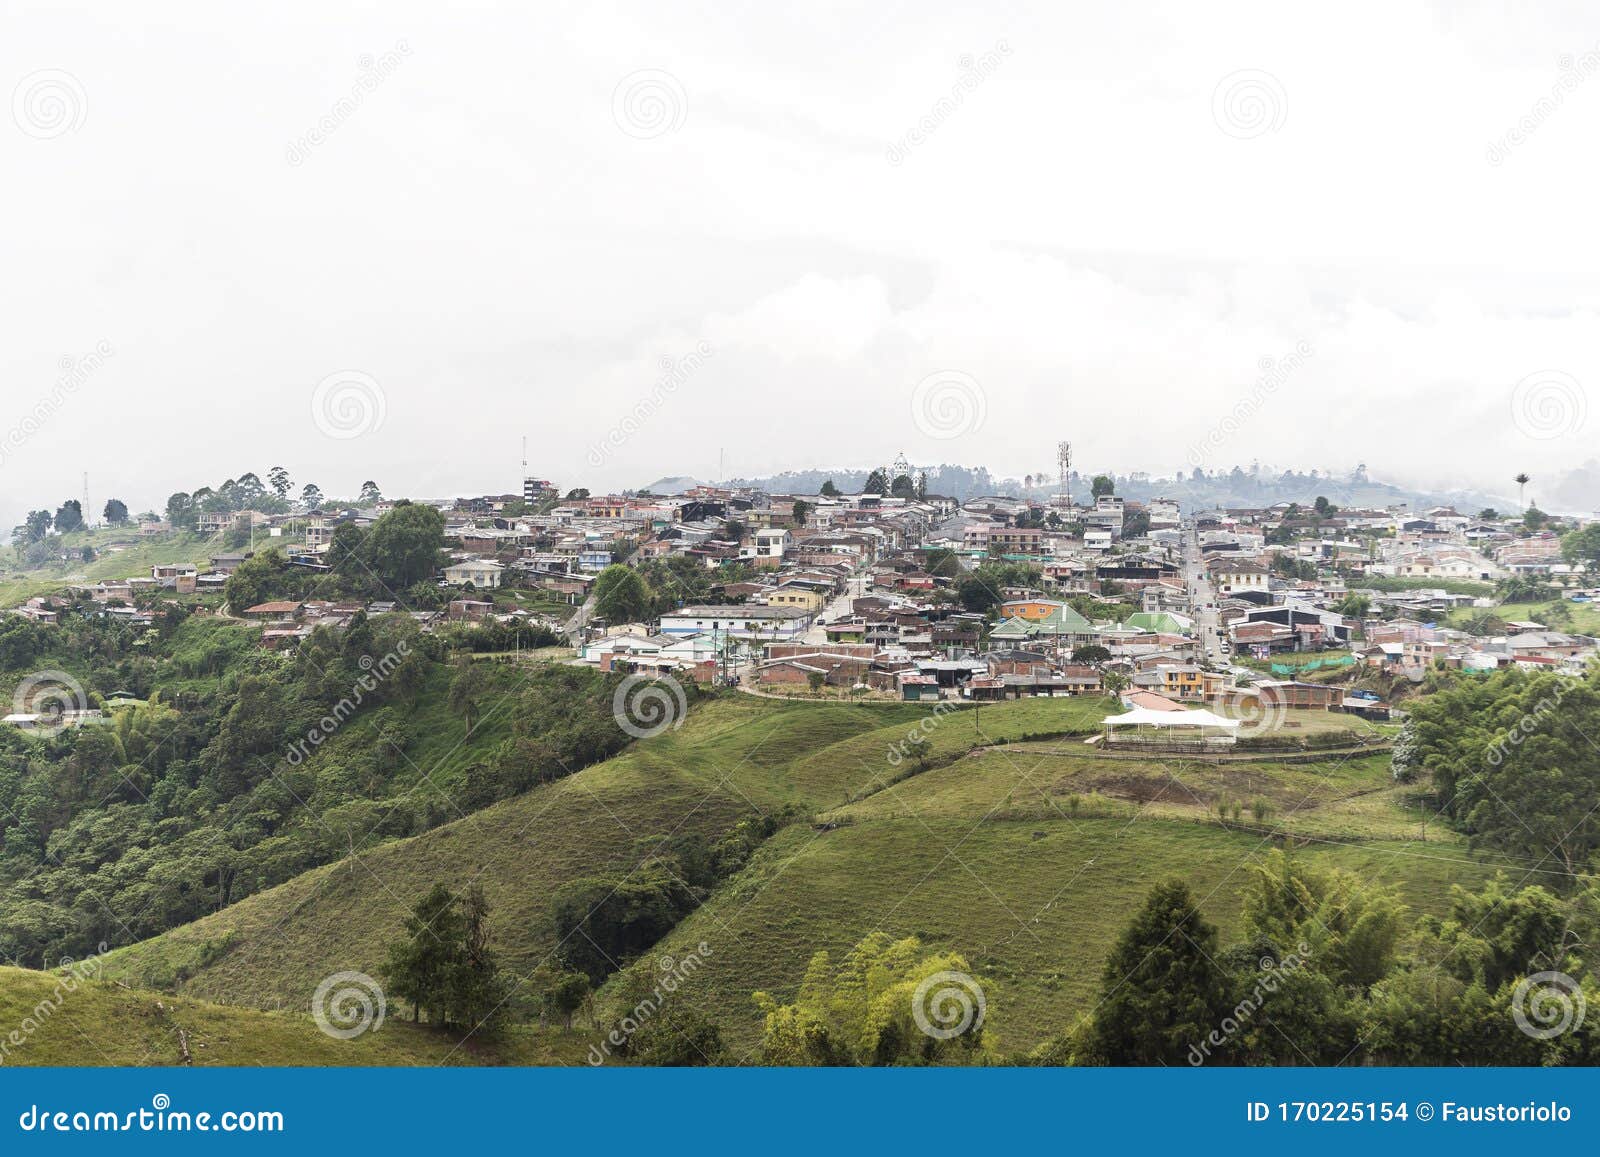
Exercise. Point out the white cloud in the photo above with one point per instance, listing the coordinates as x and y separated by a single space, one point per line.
1078 235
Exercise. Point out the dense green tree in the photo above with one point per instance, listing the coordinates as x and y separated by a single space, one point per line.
443 964
1514 764
1582 547
620 595
602 924
466 692
1162 989
877 1007
1102 486
1351 929
115 512
69 516
38 524
562 995
406 545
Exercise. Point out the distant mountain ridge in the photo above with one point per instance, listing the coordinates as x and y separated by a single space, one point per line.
1236 488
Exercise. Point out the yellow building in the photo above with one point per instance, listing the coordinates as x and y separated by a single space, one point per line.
1031 610
1183 681
802 597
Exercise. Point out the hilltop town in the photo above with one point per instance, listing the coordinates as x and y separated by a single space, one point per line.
893 591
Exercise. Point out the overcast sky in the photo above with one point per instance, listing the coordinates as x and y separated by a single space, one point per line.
386 241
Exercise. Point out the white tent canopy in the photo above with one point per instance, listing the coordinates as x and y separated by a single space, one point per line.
1144 717
1201 726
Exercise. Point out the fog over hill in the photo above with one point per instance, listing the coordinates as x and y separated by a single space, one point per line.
1194 490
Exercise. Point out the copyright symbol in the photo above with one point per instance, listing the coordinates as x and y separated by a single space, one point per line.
1424 1111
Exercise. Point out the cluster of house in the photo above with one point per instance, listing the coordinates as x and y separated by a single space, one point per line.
801 549
1408 647
854 590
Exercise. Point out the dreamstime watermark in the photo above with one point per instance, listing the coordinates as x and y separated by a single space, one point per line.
70 974
948 404
1572 71
1274 372
159 1118
373 674
1249 103
49 103
674 974
348 1004
1273 972
1524 727
74 373
374 70
54 699
348 404
946 1005
1547 1004
649 103
974 71
1549 404
1258 716
673 375
646 707
917 737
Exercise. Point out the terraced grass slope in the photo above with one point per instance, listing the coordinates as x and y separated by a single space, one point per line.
735 758
1024 853
1035 905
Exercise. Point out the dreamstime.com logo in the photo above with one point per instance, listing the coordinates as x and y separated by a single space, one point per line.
1272 973
49 103
948 1004
974 71
673 375
948 404
1547 1004
348 404
348 1004
70 974
1257 716
373 674
1549 404
1249 103
55 699
160 1117
649 103
645 707
1526 725
372 72
916 738
74 373
674 974
1274 372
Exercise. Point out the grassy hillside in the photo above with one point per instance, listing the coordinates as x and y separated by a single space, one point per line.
735 758
119 554
97 1022
1033 904
1026 855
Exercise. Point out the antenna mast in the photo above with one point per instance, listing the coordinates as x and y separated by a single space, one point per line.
1064 464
